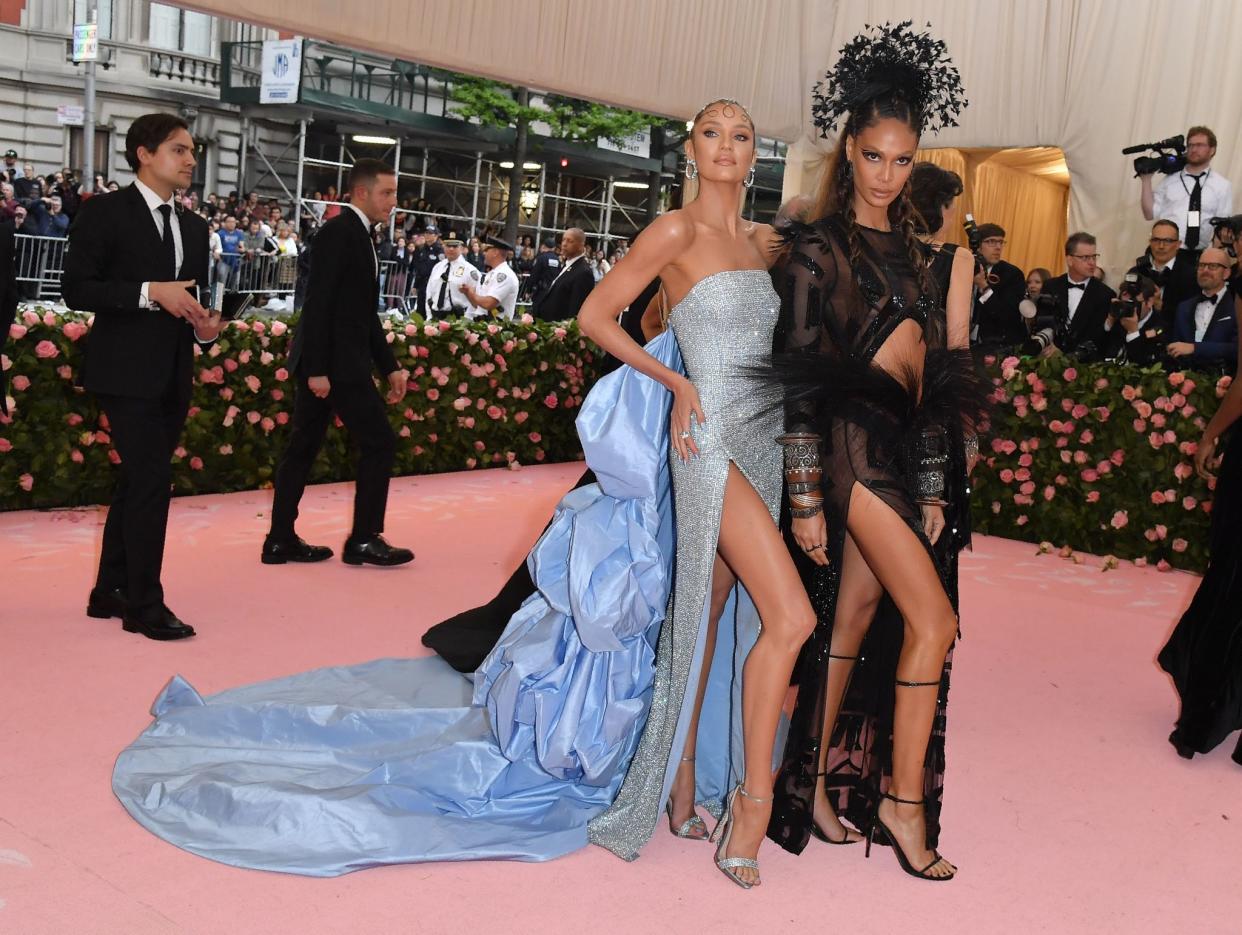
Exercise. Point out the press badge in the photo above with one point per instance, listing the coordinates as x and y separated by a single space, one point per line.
1192 219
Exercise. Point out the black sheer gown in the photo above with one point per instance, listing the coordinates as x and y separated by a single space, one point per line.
1204 654
836 317
465 639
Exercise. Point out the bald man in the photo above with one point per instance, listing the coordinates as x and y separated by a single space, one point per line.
573 283
1205 328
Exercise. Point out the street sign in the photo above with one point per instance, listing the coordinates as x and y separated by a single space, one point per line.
85 42
282 71
70 115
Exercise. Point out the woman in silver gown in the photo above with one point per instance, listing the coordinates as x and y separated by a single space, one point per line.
726 477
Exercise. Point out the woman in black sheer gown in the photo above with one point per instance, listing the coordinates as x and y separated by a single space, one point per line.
871 407
1204 654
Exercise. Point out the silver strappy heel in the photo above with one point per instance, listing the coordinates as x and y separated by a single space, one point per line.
723 834
694 828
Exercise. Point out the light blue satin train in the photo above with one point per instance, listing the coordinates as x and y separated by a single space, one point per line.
405 760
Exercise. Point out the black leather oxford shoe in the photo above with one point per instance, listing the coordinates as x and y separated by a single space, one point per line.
161 624
104 604
276 552
374 551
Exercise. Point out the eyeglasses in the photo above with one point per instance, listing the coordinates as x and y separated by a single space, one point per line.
1084 256
1164 240
1211 266
993 242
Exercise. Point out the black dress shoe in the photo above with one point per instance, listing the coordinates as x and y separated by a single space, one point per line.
277 552
104 604
160 625
374 551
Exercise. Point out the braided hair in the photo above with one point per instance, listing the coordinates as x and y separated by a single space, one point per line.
836 191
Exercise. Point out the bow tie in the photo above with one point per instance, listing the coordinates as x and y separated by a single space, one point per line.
1209 299
1078 285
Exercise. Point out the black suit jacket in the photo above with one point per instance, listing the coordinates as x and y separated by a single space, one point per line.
1219 347
565 296
339 335
547 264
999 320
8 297
114 247
1088 322
1148 348
1177 284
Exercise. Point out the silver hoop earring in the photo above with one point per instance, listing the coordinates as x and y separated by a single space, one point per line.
750 177
692 169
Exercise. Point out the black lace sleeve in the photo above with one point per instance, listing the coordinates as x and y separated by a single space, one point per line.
810 274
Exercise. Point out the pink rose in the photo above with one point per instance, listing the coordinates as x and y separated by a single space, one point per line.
76 456
1120 519
1182 470
550 400
253 383
1161 531
1170 495
1143 409
1061 480
1006 476
26 482
405 431
21 382
258 327
467 422
1086 437
1080 457
996 507
1169 437
520 417
282 418
73 330
1102 413
1090 475
1101 384
1162 565
253 417
226 449
1118 457
1025 460
1178 400
1189 503
114 456
535 437
1022 499
1128 393
230 365
65 372
1022 474
279 328
1157 497
278 395
267 424
209 375
1093 496
31 318
1079 411
1070 374
471 462
244 357
494 412
1049 492
196 463
1180 545
266 358
433 394
46 350
1140 562
1149 535
461 403
1022 520
5 446
1158 420
1155 439
1027 488
17 332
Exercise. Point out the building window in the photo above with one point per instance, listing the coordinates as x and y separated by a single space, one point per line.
103 9
77 158
180 30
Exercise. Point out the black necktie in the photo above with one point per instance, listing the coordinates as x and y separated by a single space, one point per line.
1196 202
440 304
170 245
1078 285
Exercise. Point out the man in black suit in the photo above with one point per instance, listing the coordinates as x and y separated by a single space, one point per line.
8 297
547 265
1135 329
1169 266
1082 301
1000 288
133 258
1205 328
336 348
564 297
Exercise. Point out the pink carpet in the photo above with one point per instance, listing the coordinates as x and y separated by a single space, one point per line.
1065 808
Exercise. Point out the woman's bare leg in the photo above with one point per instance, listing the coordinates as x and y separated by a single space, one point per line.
752 546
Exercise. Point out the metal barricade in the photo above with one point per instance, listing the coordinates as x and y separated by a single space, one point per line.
396 280
260 273
40 261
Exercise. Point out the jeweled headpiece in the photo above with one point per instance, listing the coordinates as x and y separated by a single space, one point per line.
722 100
884 60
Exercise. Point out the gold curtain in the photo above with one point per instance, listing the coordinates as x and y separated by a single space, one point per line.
1025 191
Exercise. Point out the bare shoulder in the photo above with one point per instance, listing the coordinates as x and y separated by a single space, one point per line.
964 261
671 231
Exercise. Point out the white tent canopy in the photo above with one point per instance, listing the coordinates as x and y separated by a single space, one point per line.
1088 76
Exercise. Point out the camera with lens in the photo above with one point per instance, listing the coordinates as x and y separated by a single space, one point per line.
1227 231
1129 301
1035 344
1170 156
1038 311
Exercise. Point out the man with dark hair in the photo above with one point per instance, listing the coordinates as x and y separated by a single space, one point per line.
1135 329
336 348
547 265
1193 196
1170 266
1000 288
1082 301
1205 326
140 357
564 296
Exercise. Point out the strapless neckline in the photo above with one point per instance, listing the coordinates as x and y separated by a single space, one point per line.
711 276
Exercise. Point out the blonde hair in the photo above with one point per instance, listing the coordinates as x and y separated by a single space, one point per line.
690 190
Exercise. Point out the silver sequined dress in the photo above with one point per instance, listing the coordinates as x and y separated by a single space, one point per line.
724 324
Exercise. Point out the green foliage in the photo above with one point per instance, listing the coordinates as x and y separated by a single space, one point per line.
1098 457
482 394
490 103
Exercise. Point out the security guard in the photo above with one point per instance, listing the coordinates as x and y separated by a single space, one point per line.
445 296
497 295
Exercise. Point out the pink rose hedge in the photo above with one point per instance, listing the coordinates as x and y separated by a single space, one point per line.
1098 457
481 395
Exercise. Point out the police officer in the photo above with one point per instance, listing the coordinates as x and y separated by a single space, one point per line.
497 296
547 265
427 253
445 296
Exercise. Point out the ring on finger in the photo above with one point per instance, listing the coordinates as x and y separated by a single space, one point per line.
685 434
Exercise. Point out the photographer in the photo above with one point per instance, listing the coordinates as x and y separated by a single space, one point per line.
1205 327
1135 329
1169 266
1082 304
1001 287
1193 195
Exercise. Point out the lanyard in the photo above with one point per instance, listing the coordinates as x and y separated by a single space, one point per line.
1181 177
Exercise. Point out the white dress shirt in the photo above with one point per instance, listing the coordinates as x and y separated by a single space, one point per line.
1203 314
1073 297
154 202
501 284
1171 200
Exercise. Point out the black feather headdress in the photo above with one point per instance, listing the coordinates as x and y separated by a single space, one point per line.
889 59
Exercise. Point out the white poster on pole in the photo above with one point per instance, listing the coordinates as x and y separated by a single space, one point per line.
85 42
282 70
